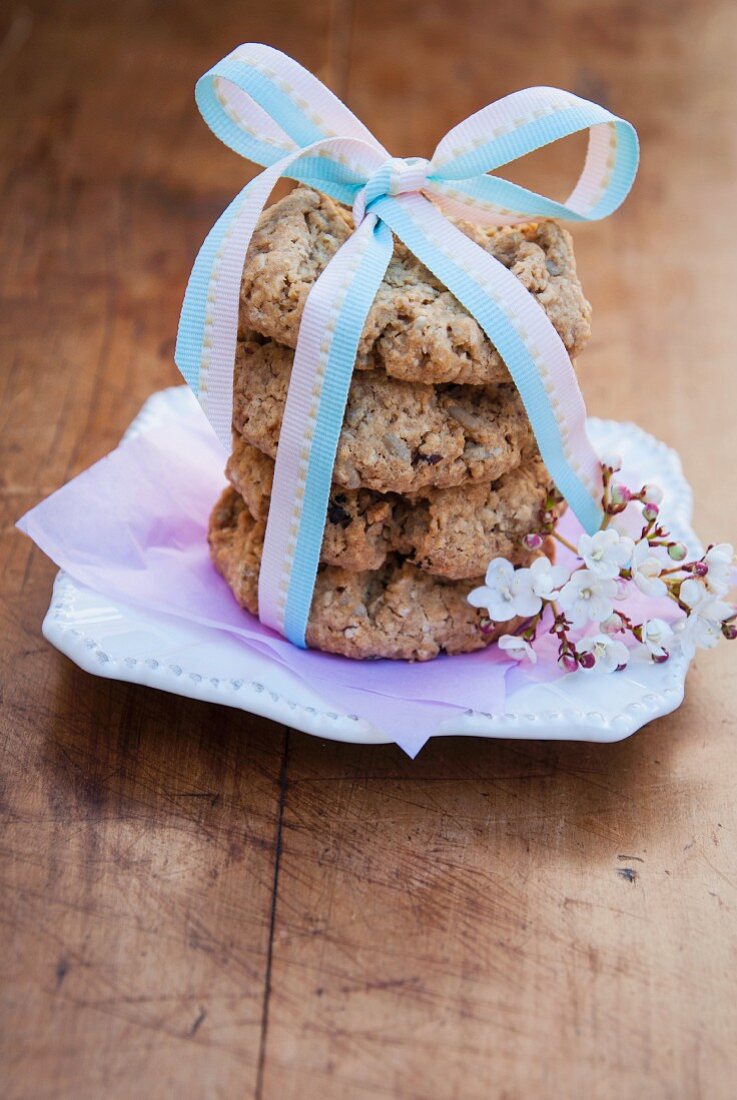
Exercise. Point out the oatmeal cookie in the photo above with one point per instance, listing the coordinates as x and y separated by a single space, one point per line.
416 330
397 436
451 533
397 611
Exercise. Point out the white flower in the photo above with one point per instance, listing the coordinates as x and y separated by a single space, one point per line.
587 597
693 592
507 592
702 628
606 552
656 637
703 603
609 654
646 570
517 647
545 579
696 632
719 560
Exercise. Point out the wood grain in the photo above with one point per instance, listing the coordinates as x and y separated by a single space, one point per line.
198 902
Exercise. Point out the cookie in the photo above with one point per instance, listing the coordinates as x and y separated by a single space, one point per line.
397 436
358 524
451 533
415 330
397 611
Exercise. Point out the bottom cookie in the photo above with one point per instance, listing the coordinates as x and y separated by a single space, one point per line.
398 611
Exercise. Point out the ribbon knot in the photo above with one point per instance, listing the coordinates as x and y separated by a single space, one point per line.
272 111
396 176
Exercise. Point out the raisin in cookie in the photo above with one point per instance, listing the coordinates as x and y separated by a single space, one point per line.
397 611
451 533
397 436
416 330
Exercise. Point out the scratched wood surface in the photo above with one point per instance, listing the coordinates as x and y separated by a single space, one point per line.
197 902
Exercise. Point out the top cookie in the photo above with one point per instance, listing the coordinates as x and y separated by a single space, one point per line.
416 330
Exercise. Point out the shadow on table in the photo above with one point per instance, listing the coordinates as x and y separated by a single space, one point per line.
117 748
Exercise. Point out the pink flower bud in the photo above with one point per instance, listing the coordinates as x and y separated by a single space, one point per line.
620 494
650 512
587 660
568 662
677 551
661 658
533 541
700 568
652 494
729 630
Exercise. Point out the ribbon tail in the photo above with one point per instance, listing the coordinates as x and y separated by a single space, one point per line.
330 330
208 325
519 328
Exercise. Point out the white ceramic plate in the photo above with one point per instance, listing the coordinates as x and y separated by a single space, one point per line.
122 642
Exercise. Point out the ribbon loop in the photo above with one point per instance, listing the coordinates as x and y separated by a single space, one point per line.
268 108
263 104
517 125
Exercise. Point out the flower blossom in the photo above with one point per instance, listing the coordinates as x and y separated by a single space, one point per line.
646 570
719 560
606 552
588 598
507 592
702 628
517 647
656 637
609 654
703 603
545 578
696 632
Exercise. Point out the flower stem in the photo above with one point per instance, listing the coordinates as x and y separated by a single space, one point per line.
677 599
564 541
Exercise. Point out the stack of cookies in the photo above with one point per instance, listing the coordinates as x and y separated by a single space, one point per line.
437 469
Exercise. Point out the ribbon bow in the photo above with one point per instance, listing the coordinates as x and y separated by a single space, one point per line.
268 108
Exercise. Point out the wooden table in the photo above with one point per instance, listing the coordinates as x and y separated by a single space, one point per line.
200 903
